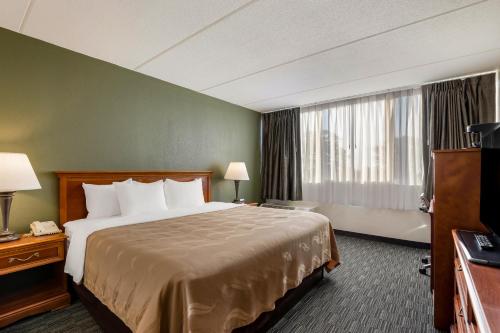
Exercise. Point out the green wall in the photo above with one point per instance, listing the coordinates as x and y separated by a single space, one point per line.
68 111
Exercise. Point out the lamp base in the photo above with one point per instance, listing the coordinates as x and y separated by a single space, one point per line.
8 237
5 202
239 201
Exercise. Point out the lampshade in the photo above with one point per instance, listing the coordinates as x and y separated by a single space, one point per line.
236 171
16 173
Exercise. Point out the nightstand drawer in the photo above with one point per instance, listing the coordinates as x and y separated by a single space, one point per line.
31 257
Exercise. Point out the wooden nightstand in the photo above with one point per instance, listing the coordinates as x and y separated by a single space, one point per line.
32 278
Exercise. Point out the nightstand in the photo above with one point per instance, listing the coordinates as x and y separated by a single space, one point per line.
32 278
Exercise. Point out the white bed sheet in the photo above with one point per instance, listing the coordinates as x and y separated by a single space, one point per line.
79 230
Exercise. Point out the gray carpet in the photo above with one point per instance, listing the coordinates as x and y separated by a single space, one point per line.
376 289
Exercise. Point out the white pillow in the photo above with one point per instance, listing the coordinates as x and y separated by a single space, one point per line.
101 200
137 198
184 194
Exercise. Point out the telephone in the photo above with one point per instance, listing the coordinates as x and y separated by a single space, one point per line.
44 228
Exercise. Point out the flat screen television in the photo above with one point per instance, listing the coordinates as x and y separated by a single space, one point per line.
490 189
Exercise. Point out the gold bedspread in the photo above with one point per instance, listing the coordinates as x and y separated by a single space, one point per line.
210 272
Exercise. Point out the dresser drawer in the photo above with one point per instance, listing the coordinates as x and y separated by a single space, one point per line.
461 326
25 258
462 292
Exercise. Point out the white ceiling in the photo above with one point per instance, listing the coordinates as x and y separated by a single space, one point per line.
269 54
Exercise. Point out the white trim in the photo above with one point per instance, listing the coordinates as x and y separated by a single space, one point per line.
27 13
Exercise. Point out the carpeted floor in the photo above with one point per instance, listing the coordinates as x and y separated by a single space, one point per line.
376 289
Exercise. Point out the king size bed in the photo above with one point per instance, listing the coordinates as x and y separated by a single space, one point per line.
217 267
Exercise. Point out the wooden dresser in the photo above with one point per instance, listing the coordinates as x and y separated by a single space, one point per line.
457 181
476 296
32 279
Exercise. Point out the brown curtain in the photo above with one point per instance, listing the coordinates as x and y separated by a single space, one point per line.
281 160
447 109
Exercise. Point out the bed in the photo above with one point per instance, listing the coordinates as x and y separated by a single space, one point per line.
217 268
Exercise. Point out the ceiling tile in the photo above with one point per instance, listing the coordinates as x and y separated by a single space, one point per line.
273 32
458 34
266 54
123 32
12 13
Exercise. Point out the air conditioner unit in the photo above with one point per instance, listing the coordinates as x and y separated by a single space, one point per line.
290 205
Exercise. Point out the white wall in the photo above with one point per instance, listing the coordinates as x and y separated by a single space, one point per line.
407 225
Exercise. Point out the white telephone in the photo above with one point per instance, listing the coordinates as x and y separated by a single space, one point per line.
44 228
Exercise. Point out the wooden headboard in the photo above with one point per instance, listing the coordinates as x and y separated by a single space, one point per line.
72 198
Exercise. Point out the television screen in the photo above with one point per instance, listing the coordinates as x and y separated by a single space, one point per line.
490 189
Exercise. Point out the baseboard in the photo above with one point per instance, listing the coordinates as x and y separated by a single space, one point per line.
420 245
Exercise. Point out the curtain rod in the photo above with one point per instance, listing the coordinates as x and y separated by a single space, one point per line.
414 86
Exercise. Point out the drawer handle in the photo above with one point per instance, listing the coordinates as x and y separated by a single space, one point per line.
461 313
459 268
34 255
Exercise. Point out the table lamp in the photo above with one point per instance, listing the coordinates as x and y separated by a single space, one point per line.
16 174
237 171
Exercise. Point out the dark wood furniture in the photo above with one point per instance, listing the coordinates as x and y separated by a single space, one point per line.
431 215
456 206
72 206
32 279
476 294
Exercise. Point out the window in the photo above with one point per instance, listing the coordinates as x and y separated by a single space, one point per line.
365 151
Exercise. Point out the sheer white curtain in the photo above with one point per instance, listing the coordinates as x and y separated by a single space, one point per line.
365 151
